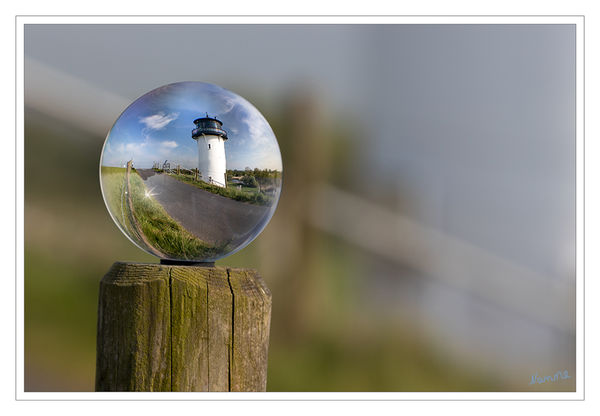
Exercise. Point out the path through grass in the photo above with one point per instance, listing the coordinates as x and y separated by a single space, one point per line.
161 232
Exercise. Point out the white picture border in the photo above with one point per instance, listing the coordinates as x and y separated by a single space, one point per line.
578 21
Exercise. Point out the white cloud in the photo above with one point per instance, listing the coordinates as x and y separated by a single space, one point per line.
259 129
130 148
228 103
171 144
158 121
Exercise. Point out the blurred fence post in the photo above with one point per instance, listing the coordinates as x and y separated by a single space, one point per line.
182 328
307 163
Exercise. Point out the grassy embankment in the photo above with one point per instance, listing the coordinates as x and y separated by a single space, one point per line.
161 231
245 194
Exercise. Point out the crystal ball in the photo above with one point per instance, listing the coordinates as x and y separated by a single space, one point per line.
191 171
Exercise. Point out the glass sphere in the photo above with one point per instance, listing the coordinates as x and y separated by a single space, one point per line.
191 172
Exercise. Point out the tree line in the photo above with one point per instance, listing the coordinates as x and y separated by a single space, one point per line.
255 178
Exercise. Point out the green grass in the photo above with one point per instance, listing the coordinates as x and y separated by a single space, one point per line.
113 184
161 231
246 194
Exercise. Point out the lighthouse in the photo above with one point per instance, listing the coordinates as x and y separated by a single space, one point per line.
211 138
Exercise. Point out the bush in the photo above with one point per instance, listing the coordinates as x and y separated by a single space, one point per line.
250 181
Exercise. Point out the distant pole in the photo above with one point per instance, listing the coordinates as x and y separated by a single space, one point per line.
177 169
182 328
196 174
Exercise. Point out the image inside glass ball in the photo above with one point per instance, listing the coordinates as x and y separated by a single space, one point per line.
191 171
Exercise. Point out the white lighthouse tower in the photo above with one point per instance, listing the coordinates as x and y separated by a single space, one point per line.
211 150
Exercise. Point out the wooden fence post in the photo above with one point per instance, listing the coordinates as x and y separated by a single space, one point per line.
182 328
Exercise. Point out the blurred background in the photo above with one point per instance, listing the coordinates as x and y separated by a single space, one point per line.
425 236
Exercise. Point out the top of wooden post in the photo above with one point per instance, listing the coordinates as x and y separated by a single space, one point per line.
182 328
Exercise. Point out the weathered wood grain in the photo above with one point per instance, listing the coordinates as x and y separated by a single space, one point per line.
220 329
182 328
134 331
189 329
251 322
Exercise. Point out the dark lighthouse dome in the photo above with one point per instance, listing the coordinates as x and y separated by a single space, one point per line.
208 126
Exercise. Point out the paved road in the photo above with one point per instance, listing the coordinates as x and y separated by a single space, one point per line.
212 218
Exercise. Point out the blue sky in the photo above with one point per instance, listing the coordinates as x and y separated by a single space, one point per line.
158 125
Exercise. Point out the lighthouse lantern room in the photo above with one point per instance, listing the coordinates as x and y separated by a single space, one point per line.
211 138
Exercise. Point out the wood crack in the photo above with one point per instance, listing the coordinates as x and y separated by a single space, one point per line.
231 344
171 325
207 337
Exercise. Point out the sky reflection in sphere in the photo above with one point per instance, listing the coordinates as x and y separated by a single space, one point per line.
191 171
